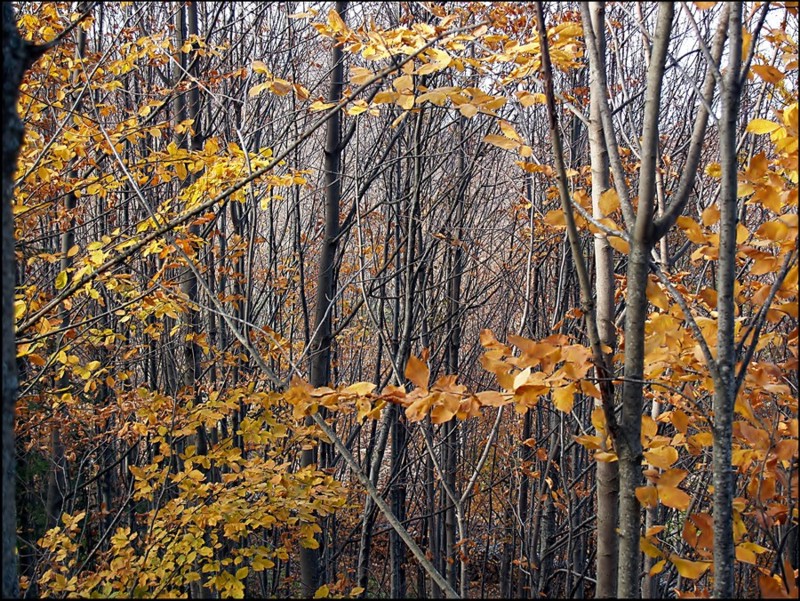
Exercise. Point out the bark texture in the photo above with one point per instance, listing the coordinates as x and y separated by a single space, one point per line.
17 57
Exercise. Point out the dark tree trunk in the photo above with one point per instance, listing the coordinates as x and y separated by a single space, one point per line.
320 369
17 57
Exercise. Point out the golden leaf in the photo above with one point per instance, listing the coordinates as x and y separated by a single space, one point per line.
492 398
609 201
563 398
647 495
649 548
674 497
690 569
768 73
501 142
662 457
762 126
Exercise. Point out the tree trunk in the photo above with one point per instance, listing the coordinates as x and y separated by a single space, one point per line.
607 472
725 386
320 355
16 59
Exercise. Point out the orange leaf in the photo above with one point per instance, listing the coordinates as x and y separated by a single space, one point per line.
492 398
768 73
655 295
674 497
647 495
662 457
417 372
680 420
649 548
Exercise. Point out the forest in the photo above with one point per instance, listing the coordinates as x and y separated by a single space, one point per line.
400 299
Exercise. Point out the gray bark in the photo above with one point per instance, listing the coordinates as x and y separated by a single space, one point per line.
607 472
725 384
629 447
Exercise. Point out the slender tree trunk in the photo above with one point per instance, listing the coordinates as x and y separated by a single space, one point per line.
451 444
629 446
320 355
607 472
725 387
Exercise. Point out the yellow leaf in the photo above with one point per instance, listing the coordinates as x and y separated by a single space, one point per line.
492 398
509 131
556 218
704 5
745 555
257 89
356 110
776 231
443 413
61 280
405 101
762 126
260 67
680 420
606 456
241 573
323 591
404 84
36 360
563 398
501 142
468 110
419 408
662 457
356 591
713 170
318 105
710 215
522 378
674 497
360 75
609 201
619 244
360 388
690 569
768 73
527 99
691 228
658 567
417 372
599 419
649 548
335 22
672 477
655 295
647 495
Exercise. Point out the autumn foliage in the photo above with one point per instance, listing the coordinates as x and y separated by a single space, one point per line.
133 482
